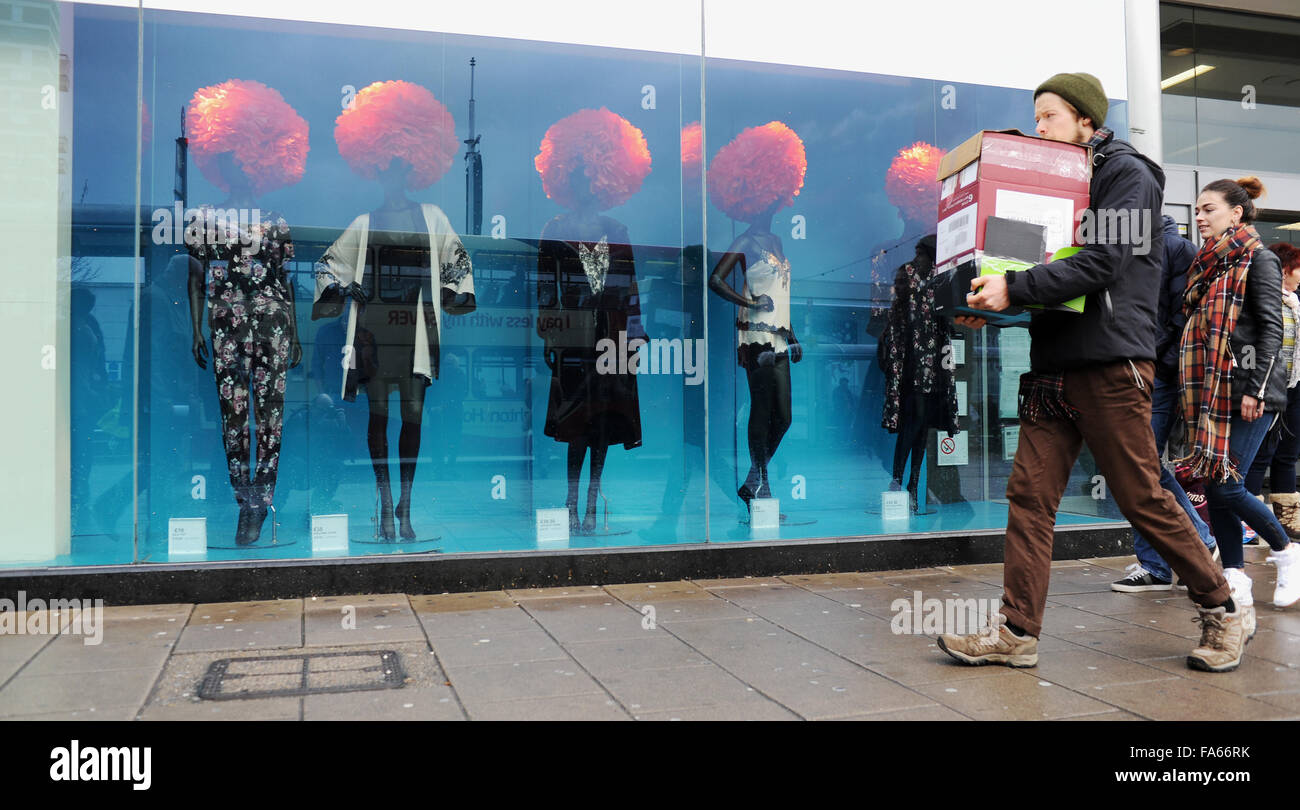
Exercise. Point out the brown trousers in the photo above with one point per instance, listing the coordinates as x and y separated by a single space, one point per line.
1115 421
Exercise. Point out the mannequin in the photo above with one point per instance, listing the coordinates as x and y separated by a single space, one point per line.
398 240
920 393
766 341
251 318
398 134
587 293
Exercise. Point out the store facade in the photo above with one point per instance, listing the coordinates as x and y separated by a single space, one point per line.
302 284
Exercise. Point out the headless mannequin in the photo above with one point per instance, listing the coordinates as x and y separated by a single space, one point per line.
399 221
769 378
251 515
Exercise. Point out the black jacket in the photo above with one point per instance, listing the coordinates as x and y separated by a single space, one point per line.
1179 254
1121 280
1257 341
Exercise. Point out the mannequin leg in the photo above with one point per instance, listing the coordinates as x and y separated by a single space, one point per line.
598 453
412 391
779 417
270 368
577 452
377 441
232 397
760 414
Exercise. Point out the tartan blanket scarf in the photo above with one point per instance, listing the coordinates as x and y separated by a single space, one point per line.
1216 285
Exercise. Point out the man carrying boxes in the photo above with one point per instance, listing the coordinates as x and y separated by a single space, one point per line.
1090 380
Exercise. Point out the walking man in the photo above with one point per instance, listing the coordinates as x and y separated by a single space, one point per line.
1091 379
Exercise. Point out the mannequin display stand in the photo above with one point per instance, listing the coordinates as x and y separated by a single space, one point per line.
262 542
377 539
602 529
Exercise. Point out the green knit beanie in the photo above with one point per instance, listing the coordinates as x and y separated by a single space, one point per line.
1083 91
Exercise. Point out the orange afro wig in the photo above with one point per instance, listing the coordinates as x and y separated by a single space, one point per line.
912 181
397 119
761 166
266 135
692 153
610 152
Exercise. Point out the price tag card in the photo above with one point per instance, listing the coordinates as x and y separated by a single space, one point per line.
329 534
893 505
765 513
187 537
553 528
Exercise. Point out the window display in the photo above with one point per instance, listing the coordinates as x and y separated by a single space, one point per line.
668 291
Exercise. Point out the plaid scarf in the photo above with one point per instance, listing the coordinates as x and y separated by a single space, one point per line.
1216 284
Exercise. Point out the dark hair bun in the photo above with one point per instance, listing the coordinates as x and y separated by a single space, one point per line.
1252 185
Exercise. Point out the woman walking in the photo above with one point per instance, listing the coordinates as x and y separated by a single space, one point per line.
1234 383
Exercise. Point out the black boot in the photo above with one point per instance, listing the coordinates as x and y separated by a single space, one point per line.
256 516
241 528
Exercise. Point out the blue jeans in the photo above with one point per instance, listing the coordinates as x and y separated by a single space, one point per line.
1164 399
1229 501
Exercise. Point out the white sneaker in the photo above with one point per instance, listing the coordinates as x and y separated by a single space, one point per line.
1287 561
1214 555
1241 585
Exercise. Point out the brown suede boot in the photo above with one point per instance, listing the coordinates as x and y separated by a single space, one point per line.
1286 505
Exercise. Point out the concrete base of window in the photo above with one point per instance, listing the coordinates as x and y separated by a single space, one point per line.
164 583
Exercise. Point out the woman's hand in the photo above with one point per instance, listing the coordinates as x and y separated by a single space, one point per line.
295 352
1251 408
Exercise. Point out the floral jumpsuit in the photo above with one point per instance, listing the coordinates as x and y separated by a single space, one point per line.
249 316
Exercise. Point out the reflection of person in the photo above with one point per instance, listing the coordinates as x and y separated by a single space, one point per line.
1090 380
246 140
920 392
89 390
398 133
1277 458
1234 311
750 179
587 294
1151 572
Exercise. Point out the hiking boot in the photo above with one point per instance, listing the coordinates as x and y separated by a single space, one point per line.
1287 561
995 644
1214 555
1138 580
1223 637
1286 506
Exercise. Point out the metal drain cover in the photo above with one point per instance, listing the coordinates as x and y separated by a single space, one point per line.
306 674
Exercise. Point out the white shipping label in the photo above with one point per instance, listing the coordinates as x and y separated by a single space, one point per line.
552 528
953 450
948 187
956 234
329 534
187 537
1055 214
969 174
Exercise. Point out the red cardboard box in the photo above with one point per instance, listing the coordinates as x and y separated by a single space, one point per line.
1008 174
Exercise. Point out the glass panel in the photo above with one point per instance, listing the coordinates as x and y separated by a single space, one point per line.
467 326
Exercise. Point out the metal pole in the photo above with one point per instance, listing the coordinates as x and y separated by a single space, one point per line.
1142 47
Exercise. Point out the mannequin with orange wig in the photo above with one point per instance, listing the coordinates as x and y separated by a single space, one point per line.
397 133
587 296
760 172
247 141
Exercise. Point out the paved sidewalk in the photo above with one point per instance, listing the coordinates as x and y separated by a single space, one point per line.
780 648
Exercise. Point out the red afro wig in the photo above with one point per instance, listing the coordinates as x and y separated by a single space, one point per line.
397 119
692 152
761 166
266 135
912 181
611 153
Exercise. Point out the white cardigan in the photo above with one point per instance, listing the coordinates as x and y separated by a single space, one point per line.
344 264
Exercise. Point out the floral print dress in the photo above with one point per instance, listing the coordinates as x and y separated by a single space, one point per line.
249 316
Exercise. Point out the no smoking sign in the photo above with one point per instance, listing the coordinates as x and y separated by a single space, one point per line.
953 450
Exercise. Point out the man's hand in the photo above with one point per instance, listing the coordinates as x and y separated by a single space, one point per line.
970 321
988 292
